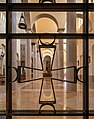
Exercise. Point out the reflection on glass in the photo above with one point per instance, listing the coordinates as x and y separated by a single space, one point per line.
37 1
91 1
91 117
79 22
47 90
2 1
91 74
91 22
2 117
48 23
2 75
65 98
2 22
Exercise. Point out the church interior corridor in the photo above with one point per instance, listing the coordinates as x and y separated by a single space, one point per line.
47 59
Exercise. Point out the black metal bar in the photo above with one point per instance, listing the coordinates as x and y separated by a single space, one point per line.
75 36
91 112
2 36
91 36
18 72
91 7
2 6
85 63
47 35
8 62
57 7
47 113
29 68
2 112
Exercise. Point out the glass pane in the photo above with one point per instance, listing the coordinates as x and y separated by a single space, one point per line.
2 22
91 74
91 1
2 1
69 22
48 1
91 117
2 117
79 22
68 95
27 56
50 117
91 14
2 75
26 91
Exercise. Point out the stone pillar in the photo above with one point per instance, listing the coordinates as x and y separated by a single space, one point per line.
38 66
35 61
28 63
55 63
60 56
14 49
39 73
71 49
56 60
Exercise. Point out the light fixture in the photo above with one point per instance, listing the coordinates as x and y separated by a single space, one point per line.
42 1
22 23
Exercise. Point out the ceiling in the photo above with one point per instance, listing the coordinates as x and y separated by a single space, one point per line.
45 25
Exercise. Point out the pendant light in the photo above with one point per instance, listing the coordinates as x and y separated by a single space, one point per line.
22 23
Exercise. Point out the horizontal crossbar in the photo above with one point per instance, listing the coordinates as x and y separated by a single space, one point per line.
57 7
45 36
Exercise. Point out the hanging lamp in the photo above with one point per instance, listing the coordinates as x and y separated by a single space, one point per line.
22 23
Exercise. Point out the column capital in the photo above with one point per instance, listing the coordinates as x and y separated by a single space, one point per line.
60 30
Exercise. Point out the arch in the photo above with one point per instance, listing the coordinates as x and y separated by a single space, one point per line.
44 15
47 62
47 53
43 1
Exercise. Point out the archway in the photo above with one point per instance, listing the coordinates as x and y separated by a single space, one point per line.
47 64
46 23
39 16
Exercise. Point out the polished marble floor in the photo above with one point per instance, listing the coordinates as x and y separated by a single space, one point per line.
26 97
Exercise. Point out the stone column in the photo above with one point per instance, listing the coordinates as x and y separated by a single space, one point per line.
71 49
35 61
55 63
39 65
14 50
28 63
60 56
